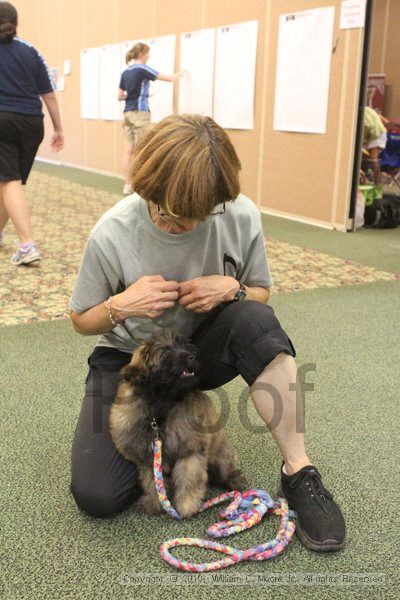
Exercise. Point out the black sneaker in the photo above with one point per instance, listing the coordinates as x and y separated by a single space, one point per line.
320 524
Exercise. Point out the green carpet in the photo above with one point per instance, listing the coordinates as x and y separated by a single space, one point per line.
103 182
379 248
51 550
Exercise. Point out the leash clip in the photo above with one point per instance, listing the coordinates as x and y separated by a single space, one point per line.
155 428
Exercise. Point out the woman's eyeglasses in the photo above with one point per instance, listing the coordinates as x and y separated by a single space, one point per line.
217 212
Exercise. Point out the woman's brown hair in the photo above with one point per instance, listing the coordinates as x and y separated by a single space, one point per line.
136 51
187 165
8 22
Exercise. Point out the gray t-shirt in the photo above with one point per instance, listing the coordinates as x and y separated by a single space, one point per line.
125 245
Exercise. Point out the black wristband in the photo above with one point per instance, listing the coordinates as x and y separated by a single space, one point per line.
241 293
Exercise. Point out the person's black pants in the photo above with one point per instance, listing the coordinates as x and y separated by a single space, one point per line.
239 338
20 138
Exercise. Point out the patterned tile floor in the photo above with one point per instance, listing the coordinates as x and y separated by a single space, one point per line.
63 214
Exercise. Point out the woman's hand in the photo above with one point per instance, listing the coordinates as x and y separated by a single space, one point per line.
148 297
57 141
202 294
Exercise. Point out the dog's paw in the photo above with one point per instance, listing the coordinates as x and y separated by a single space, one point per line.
237 481
149 505
188 506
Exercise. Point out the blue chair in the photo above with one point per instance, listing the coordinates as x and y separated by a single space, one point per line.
390 159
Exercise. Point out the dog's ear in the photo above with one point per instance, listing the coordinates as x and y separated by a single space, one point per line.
130 372
137 365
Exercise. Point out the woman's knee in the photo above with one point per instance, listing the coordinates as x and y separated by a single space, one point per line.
101 503
256 338
250 317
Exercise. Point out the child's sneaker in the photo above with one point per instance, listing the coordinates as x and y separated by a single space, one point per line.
25 257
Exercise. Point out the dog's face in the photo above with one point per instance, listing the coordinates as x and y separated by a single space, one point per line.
166 366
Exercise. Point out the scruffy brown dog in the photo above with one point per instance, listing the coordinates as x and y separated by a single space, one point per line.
161 383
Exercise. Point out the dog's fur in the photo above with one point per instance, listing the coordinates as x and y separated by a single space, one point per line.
161 382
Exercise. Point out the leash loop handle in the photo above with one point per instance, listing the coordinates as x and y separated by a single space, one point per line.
245 510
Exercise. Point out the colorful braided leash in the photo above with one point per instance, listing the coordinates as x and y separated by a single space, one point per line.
246 510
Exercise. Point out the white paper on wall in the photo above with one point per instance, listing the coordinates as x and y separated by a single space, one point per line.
303 70
234 78
53 74
110 75
162 59
197 58
90 83
352 14
67 67
60 84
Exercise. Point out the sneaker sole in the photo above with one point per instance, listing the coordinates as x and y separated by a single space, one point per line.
327 546
26 261
29 260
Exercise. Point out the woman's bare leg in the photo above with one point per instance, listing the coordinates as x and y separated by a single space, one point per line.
17 208
126 161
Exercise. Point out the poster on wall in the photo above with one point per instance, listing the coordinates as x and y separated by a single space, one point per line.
90 83
53 75
60 84
234 77
162 59
197 58
303 70
352 14
67 67
110 74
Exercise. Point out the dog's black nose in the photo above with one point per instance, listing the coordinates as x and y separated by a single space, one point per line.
188 359
191 359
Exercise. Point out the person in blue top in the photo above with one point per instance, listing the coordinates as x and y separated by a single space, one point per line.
24 78
134 90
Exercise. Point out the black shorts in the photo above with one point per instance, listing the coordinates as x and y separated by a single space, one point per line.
20 138
239 338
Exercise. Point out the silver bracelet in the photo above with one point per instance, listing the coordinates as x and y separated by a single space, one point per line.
107 304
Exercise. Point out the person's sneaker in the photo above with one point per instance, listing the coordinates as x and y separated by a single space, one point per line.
320 524
25 257
127 189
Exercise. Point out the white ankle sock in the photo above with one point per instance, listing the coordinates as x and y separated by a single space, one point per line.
25 247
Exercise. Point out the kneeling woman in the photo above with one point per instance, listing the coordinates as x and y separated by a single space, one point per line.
186 252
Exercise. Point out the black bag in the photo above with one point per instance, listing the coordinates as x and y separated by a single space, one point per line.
383 213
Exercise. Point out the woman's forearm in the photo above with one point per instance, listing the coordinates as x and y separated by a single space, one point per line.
93 321
257 293
172 78
51 103
96 320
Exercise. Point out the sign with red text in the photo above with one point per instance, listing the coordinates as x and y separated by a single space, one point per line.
352 14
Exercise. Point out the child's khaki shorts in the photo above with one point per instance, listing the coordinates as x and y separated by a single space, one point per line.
135 122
